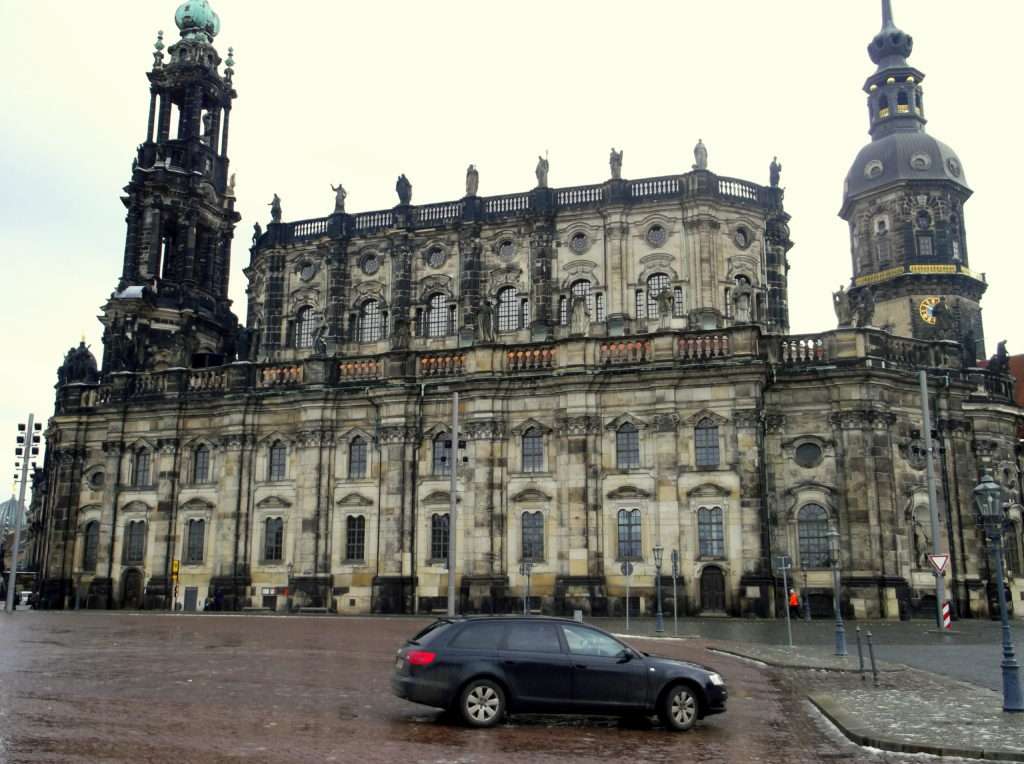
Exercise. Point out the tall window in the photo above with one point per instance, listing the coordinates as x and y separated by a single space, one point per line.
278 461
201 465
641 304
140 468
92 545
273 539
706 443
439 537
533 536
678 305
581 288
437 316
599 310
655 285
812 529
629 534
627 447
533 450
194 538
709 532
135 541
924 246
563 310
357 458
508 310
355 538
304 325
371 321
442 454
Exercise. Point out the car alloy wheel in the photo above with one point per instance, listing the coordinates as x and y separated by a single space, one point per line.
680 708
483 703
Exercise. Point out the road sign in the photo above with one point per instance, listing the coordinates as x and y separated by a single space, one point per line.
939 562
627 568
175 566
675 563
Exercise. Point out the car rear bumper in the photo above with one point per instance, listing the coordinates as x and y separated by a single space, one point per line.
422 691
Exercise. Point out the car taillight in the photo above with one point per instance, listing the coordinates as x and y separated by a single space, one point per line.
420 657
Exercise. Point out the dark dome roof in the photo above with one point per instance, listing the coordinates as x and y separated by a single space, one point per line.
902 156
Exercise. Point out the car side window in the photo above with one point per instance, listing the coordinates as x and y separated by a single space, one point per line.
533 637
479 636
583 641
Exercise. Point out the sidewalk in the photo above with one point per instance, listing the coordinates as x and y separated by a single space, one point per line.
802 657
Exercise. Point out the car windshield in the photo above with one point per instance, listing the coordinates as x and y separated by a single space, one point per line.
429 634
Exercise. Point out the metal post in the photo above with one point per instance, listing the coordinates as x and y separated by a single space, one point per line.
806 600
1013 699
675 597
860 655
629 573
871 655
840 627
12 576
933 507
659 618
784 567
453 503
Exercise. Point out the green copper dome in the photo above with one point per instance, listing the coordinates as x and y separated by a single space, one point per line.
196 20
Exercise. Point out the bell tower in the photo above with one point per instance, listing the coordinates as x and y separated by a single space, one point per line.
903 200
171 306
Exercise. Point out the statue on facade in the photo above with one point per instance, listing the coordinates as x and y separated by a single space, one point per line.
320 335
615 162
841 305
741 305
774 172
1000 362
339 198
231 185
404 190
969 350
579 312
472 180
700 155
664 303
863 309
922 544
275 209
400 334
942 314
485 322
257 232
207 136
542 172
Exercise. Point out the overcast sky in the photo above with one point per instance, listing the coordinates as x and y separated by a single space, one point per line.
360 92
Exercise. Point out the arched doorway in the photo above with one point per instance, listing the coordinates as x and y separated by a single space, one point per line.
131 597
712 589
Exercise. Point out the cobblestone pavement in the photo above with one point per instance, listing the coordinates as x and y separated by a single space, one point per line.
117 687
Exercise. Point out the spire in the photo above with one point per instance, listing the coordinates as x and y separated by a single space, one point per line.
891 46
887 14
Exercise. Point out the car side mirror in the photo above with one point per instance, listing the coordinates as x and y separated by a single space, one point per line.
626 656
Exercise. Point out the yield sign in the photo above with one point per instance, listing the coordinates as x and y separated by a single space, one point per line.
939 562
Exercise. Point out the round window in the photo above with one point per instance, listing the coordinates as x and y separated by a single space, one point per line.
656 235
579 242
808 454
506 249
96 480
954 167
742 237
307 271
873 169
435 257
370 264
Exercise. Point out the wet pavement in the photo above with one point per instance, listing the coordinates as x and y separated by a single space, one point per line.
120 687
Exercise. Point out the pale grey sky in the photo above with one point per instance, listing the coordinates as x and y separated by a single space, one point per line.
360 92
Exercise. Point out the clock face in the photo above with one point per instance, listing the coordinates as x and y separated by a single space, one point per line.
927 309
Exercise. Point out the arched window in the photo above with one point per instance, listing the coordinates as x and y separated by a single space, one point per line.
581 288
201 465
357 458
812 530
902 103
91 548
442 454
355 538
533 450
273 539
710 532
629 534
533 536
278 461
508 310
437 316
195 535
705 440
135 542
883 107
655 284
305 321
371 321
627 447
140 468
439 537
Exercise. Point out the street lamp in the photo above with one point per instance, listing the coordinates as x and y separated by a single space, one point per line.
987 497
659 622
833 546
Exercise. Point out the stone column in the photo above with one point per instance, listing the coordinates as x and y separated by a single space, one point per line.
580 501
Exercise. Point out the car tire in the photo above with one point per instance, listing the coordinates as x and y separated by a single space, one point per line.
482 703
680 708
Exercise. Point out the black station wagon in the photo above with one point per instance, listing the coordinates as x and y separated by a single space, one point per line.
484 668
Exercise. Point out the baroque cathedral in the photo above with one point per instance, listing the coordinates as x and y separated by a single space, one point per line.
625 374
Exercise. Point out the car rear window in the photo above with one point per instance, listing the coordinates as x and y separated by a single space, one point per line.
479 636
534 637
432 632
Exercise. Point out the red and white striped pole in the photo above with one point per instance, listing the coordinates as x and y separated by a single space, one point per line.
947 618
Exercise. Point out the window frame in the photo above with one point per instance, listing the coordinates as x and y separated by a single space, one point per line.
711 532
629 547
273 543
190 557
355 538
438 449
142 478
305 324
815 551
627 446
370 323
200 478
358 463
90 546
277 462
663 283
532 455
531 523
440 528
707 452
438 322
509 310
133 542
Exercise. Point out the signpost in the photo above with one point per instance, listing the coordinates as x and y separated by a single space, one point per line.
525 567
784 565
175 567
939 562
933 505
675 600
627 571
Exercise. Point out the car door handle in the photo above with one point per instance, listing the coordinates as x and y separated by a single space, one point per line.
508 663
580 665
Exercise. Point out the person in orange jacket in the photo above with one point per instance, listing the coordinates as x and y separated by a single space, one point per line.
794 604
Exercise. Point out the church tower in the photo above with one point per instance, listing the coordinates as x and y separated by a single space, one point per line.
904 199
171 306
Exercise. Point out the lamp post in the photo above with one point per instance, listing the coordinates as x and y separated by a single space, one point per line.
659 621
833 545
987 497
525 568
675 596
806 599
291 594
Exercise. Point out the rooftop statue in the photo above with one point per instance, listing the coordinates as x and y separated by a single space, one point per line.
615 161
472 180
774 171
404 189
700 156
542 172
275 209
339 198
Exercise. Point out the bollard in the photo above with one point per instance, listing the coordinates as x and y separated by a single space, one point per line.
860 657
871 655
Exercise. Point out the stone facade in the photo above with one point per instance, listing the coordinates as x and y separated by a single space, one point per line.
627 379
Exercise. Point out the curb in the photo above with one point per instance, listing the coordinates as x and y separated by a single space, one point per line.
889 669
824 705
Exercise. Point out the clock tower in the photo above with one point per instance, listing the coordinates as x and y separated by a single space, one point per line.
904 202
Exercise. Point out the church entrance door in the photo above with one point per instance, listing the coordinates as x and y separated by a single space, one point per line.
712 589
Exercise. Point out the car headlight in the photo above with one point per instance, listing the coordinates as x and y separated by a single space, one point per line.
717 679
